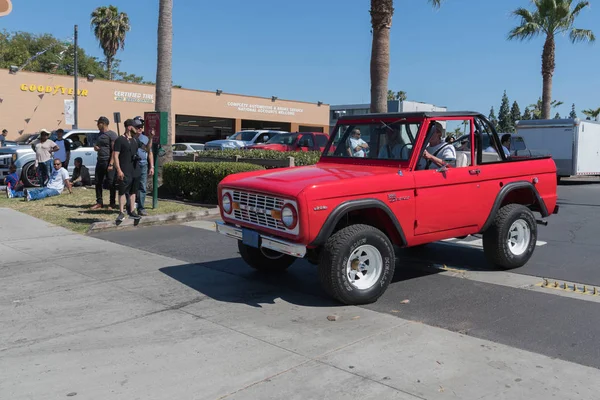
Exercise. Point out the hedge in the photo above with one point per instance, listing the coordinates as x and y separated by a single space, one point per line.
198 180
300 157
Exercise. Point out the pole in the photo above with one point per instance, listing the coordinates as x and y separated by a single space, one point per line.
155 177
76 75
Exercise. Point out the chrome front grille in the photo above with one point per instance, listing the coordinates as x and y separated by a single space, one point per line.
256 209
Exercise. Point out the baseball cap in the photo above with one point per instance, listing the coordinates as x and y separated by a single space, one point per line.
103 120
44 132
137 122
128 123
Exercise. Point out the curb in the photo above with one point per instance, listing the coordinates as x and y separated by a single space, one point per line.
103 226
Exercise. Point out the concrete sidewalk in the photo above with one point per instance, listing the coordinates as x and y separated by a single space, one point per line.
90 319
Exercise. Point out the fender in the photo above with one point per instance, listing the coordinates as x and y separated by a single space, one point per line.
509 187
352 205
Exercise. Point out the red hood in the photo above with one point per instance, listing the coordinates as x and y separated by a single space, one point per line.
276 147
337 178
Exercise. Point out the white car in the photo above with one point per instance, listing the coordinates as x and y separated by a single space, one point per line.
183 149
242 139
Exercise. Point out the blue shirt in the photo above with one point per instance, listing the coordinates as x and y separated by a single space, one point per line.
12 180
143 141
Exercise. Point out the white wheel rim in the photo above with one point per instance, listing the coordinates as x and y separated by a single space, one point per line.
519 236
364 267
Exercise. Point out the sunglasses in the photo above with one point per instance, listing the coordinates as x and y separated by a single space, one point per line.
58 164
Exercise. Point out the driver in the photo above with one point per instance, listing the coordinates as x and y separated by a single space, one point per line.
439 153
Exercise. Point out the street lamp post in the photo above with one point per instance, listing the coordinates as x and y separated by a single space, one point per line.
76 75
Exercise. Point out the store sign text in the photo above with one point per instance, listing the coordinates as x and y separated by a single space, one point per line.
258 108
133 97
53 89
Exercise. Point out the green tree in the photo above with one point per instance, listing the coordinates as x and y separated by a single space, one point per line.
492 118
515 113
401 95
110 28
505 123
549 18
592 113
536 109
573 113
164 75
557 116
527 114
381 12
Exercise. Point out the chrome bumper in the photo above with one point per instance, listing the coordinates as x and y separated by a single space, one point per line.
268 242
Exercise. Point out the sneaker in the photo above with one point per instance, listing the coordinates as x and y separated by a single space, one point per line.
134 216
9 193
96 206
143 212
120 217
27 195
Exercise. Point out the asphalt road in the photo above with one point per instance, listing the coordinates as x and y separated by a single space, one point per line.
545 323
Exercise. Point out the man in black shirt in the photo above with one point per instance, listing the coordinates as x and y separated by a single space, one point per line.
81 174
126 161
104 165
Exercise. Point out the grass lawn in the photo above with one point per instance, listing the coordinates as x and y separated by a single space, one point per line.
72 211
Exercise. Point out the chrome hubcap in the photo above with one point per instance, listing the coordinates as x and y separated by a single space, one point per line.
519 236
364 267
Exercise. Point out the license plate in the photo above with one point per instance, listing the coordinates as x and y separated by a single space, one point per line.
250 238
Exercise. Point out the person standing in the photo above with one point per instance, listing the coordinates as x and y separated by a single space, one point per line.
64 149
3 137
44 148
146 162
104 164
126 161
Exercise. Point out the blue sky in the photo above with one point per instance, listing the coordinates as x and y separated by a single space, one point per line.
319 50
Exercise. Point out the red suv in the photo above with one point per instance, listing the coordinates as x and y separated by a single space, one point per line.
299 141
385 180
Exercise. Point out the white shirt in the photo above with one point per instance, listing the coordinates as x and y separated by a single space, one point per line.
354 143
57 179
447 154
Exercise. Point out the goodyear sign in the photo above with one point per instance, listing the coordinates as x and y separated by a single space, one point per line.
54 90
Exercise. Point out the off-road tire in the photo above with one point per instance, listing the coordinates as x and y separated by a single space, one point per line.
29 170
334 258
265 260
495 238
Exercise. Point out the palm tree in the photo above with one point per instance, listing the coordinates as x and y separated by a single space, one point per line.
593 113
381 22
550 18
110 28
164 81
401 95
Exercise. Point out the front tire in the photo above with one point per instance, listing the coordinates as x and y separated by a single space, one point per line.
265 260
29 175
357 264
511 240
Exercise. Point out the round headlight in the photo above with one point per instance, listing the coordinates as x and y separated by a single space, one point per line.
289 216
226 203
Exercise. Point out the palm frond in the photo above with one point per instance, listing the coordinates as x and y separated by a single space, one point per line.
582 35
524 14
436 3
578 7
525 31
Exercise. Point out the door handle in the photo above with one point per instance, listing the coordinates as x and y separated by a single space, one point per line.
474 171
88 154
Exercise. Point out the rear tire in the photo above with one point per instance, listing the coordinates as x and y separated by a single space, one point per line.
29 175
265 260
511 240
357 264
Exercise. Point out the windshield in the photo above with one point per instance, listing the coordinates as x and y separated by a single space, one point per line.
383 140
245 136
283 138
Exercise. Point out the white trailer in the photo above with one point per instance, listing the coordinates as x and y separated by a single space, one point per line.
574 144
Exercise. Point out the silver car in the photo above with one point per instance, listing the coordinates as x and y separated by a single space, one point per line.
242 139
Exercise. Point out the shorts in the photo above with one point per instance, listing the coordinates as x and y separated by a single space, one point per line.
128 185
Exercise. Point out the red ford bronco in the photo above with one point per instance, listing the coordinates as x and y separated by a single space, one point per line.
384 180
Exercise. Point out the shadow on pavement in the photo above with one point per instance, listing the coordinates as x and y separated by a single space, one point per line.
578 182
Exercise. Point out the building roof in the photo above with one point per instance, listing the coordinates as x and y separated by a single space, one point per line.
419 114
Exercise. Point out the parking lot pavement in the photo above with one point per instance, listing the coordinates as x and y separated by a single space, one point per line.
89 318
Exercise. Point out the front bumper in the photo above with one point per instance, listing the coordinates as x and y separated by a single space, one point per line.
268 242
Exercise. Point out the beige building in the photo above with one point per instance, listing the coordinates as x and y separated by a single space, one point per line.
31 101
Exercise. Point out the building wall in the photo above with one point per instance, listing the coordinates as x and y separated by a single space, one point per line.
31 101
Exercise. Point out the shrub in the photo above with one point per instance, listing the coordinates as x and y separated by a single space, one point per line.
198 180
300 157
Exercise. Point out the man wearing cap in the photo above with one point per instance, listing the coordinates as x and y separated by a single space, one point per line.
104 164
3 137
126 162
44 148
145 155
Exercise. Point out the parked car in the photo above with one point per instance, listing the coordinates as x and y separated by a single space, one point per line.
346 212
26 138
82 145
241 139
182 149
299 141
